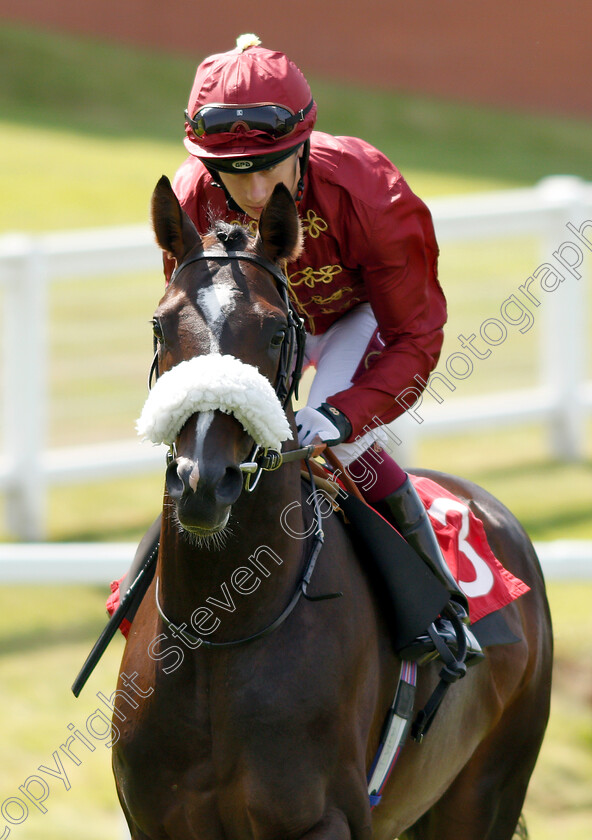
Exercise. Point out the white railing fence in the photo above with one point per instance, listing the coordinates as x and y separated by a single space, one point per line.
98 563
558 211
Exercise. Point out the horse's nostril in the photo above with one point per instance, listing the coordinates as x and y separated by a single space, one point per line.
174 482
181 477
229 488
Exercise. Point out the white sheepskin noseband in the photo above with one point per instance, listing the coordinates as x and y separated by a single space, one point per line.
211 382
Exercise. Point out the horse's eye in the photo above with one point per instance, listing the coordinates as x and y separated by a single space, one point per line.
157 330
278 338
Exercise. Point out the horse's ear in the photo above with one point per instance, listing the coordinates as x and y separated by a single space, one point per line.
280 234
175 232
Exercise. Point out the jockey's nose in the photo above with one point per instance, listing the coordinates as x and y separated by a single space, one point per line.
257 189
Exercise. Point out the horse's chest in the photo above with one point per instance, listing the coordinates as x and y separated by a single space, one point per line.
235 709
226 736
163 760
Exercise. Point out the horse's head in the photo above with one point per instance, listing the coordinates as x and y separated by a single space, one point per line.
225 337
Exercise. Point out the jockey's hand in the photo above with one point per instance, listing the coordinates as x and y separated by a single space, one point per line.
326 424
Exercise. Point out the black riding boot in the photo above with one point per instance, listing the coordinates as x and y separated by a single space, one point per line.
411 519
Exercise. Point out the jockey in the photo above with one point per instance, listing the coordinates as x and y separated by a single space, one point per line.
366 283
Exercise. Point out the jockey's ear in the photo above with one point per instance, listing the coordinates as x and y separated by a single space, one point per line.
280 234
175 232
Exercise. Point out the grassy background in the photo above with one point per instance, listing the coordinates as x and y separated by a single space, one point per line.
86 129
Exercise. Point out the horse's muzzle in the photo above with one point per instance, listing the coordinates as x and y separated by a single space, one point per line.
203 493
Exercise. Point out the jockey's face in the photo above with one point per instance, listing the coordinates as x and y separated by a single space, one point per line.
252 190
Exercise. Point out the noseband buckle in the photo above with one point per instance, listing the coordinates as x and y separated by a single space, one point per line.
261 460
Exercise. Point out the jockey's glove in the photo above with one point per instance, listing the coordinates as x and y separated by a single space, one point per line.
326 423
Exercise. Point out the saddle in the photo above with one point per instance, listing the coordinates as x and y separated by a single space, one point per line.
416 598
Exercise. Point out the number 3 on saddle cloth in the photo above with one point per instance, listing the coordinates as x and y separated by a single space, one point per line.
486 583
461 535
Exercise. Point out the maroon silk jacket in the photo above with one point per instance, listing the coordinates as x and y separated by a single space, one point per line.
367 238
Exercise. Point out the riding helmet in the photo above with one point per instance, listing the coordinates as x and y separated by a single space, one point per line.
249 108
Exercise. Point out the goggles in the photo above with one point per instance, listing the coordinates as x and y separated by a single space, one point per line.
274 120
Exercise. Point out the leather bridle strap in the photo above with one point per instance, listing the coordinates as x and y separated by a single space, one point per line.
290 361
301 591
249 256
289 370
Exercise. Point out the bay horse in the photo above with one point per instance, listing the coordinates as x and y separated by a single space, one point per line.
243 710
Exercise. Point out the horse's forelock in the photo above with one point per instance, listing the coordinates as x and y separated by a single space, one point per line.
232 237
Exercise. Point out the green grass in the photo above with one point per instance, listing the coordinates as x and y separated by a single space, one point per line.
40 658
46 633
88 127
559 805
551 498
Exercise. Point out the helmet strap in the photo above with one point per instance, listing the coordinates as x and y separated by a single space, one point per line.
303 168
217 182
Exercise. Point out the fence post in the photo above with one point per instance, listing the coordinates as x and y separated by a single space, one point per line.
563 334
25 349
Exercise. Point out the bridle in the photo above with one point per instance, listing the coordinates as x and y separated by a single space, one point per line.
290 362
292 349
288 376
260 459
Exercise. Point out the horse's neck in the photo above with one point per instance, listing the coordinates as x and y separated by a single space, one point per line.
257 568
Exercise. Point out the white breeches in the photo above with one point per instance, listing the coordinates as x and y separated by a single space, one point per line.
336 355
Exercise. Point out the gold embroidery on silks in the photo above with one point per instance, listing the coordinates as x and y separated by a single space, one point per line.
333 309
321 303
252 226
337 295
310 276
369 357
313 225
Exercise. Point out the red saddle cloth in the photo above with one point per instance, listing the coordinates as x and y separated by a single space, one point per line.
112 604
480 575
